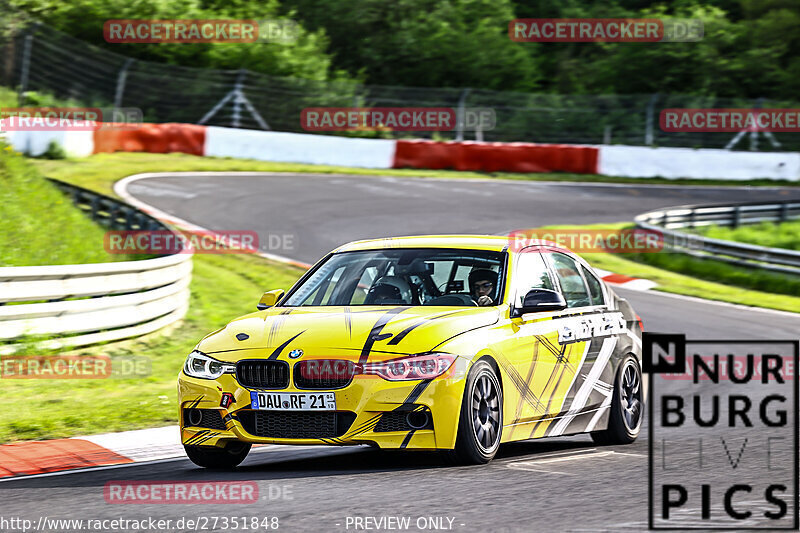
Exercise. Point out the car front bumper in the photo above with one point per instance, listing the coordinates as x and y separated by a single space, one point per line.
370 410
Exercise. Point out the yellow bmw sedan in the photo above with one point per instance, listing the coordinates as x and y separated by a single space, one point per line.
452 343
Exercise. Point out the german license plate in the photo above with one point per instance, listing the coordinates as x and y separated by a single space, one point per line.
293 401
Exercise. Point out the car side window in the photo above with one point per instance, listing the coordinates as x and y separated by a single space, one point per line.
595 289
572 284
531 273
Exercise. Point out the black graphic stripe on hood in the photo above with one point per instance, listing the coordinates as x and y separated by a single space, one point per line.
348 320
277 323
376 330
400 336
277 351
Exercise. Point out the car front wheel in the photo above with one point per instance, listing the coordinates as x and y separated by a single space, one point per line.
480 423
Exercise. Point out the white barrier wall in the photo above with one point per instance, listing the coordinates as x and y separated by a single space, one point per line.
299 148
622 161
74 143
645 162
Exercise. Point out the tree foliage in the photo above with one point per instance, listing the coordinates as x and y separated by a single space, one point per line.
751 48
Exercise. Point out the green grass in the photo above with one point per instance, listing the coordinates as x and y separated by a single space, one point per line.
785 235
39 225
738 276
9 98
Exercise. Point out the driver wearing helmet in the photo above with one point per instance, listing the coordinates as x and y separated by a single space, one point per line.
482 282
389 290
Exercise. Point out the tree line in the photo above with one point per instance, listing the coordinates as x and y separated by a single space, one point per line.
750 48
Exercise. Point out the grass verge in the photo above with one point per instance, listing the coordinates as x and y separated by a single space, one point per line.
783 235
39 225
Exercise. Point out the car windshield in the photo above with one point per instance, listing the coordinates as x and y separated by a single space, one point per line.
405 276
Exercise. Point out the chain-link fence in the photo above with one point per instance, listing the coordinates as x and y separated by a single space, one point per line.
43 60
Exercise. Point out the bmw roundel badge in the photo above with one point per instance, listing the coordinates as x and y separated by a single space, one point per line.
296 354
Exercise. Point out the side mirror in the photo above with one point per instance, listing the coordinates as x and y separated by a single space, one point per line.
269 298
538 300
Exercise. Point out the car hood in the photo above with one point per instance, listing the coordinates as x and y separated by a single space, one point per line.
343 331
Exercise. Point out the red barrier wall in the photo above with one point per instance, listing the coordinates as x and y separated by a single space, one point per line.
153 138
496 157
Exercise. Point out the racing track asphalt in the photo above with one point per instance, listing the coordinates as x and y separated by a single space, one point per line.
564 484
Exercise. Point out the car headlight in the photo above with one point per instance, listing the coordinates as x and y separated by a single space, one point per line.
422 366
199 365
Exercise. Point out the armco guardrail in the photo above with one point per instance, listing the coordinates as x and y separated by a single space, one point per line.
751 255
86 304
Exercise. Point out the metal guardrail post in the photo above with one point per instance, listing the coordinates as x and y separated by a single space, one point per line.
236 118
649 119
121 77
26 64
461 114
94 207
737 217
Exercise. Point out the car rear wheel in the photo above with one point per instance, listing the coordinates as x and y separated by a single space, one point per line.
627 406
218 458
480 424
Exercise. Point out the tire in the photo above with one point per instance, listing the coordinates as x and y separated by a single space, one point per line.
218 458
627 406
480 423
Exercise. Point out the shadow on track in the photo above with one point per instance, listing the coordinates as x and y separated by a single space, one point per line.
295 463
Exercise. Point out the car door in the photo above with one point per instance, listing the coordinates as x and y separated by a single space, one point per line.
586 325
531 355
